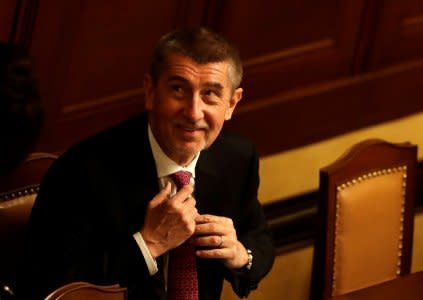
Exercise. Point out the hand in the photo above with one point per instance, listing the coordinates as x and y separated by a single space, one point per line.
219 236
169 221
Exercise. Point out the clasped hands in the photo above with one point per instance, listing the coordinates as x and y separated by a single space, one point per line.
170 221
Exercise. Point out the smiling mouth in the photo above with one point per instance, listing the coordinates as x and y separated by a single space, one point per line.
190 129
190 133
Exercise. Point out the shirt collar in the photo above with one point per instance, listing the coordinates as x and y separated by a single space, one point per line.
164 165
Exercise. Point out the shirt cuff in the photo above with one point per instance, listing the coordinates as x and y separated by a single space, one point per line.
149 260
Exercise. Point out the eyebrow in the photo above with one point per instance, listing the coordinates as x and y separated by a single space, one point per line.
212 85
176 78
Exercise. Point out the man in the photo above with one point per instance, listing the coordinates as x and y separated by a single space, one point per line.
110 210
21 111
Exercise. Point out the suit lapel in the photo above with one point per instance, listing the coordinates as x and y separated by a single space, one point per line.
207 186
210 196
142 186
140 176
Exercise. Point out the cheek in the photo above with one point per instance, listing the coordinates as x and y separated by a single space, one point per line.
215 122
167 109
218 117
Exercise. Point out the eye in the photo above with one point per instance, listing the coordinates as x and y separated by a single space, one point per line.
212 93
209 93
177 90
212 96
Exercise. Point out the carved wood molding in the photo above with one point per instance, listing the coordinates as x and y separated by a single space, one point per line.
94 105
289 53
303 116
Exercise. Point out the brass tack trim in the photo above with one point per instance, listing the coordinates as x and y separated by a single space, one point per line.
27 190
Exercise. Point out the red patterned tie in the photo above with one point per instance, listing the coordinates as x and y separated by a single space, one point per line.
182 272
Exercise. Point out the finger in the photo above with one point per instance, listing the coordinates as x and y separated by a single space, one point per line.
213 219
162 195
210 229
189 209
186 220
185 211
187 206
189 197
182 195
212 241
206 219
223 253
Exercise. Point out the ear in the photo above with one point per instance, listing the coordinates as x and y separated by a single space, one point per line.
148 92
236 97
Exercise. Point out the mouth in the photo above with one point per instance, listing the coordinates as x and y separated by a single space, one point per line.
190 132
188 128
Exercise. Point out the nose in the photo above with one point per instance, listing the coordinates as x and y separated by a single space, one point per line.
194 108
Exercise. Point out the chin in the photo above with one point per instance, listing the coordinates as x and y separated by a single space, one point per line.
189 150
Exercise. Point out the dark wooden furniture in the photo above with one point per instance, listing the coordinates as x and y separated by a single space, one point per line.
87 291
18 190
365 218
409 287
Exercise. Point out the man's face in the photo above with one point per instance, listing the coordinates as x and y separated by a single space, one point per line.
188 105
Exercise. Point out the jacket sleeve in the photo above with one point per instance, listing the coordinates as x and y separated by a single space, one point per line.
253 233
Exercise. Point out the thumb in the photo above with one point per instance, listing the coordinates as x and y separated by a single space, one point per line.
161 196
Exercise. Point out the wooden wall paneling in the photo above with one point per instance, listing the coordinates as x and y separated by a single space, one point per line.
365 37
92 56
299 56
192 12
7 12
51 45
24 21
212 13
316 88
398 33
289 44
294 119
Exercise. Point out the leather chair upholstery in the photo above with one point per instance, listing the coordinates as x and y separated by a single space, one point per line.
365 220
18 190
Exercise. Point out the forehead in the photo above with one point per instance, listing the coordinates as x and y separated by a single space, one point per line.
181 67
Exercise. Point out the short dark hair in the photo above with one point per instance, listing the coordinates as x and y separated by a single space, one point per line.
21 112
202 45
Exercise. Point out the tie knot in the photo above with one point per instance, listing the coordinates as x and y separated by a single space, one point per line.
181 178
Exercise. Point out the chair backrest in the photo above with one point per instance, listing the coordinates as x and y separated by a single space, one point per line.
18 190
365 219
87 291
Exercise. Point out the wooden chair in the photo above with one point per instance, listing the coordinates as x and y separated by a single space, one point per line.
365 219
18 190
87 291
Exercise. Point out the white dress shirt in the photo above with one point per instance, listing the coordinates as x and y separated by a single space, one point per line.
164 166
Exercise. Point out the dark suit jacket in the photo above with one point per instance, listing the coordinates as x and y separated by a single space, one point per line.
94 197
